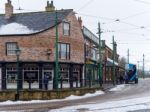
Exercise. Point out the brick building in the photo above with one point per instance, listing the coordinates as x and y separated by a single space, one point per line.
34 34
92 60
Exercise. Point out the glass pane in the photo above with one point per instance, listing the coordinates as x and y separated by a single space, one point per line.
11 48
11 77
68 47
66 28
63 47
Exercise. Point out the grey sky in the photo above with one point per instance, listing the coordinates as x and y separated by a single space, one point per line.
132 31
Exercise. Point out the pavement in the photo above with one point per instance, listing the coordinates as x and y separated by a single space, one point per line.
142 110
107 86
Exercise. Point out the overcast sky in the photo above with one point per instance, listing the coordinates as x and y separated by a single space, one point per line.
131 31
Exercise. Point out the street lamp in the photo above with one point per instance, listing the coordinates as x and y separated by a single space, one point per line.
18 51
49 52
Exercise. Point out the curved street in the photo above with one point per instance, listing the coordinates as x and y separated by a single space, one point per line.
128 91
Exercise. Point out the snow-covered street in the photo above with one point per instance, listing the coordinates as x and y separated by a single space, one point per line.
132 103
122 98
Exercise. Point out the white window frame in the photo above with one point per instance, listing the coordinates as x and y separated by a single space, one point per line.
11 48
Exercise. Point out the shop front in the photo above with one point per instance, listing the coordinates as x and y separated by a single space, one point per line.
31 75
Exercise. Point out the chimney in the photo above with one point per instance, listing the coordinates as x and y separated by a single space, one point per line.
80 21
50 7
8 9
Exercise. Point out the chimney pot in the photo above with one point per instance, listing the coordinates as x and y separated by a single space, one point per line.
50 6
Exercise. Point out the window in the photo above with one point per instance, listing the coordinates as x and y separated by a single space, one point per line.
93 56
64 73
64 51
11 48
66 28
11 74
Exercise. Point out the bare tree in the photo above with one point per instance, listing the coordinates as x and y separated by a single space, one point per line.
122 62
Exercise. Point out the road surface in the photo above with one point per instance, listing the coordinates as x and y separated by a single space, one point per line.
130 91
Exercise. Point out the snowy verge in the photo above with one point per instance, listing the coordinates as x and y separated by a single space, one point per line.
118 88
71 97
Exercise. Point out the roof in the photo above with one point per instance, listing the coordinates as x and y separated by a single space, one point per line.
109 62
30 23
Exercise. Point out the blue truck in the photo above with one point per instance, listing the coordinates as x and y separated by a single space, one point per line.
131 74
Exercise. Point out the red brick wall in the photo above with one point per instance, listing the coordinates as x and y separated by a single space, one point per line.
34 47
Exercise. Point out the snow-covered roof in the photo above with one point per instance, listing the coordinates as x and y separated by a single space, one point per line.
29 23
110 62
15 28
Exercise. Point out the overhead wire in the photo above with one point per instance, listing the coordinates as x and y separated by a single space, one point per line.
144 2
106 18
85 5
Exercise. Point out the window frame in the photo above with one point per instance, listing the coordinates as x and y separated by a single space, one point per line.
7 50
68 31
67 51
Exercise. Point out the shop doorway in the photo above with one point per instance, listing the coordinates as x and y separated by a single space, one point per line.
50 75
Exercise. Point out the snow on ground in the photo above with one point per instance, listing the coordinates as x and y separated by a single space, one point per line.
72 97
15 28
114 106
118 88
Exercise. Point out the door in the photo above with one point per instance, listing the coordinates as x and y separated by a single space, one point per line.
49 74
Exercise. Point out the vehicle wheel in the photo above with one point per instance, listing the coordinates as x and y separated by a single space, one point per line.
126 82
136 80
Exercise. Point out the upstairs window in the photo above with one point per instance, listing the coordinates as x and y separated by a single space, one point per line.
66 28
11 48
64 51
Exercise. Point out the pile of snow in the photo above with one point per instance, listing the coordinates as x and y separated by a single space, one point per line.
15 28
114 106
118 88
72 97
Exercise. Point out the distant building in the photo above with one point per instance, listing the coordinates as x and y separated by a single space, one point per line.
34 34
92 60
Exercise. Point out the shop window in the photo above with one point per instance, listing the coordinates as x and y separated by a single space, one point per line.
64 73
11 74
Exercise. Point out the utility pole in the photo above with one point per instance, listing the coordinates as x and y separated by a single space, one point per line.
138 67
113 56
143 66
55 82
128 55
100 56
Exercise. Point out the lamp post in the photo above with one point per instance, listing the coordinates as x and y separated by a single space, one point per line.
100 56
55 82
18 51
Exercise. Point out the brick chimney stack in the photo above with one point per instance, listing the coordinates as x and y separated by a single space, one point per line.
8 9
80 21
50 7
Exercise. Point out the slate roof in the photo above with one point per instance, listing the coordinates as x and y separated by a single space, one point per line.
38 21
